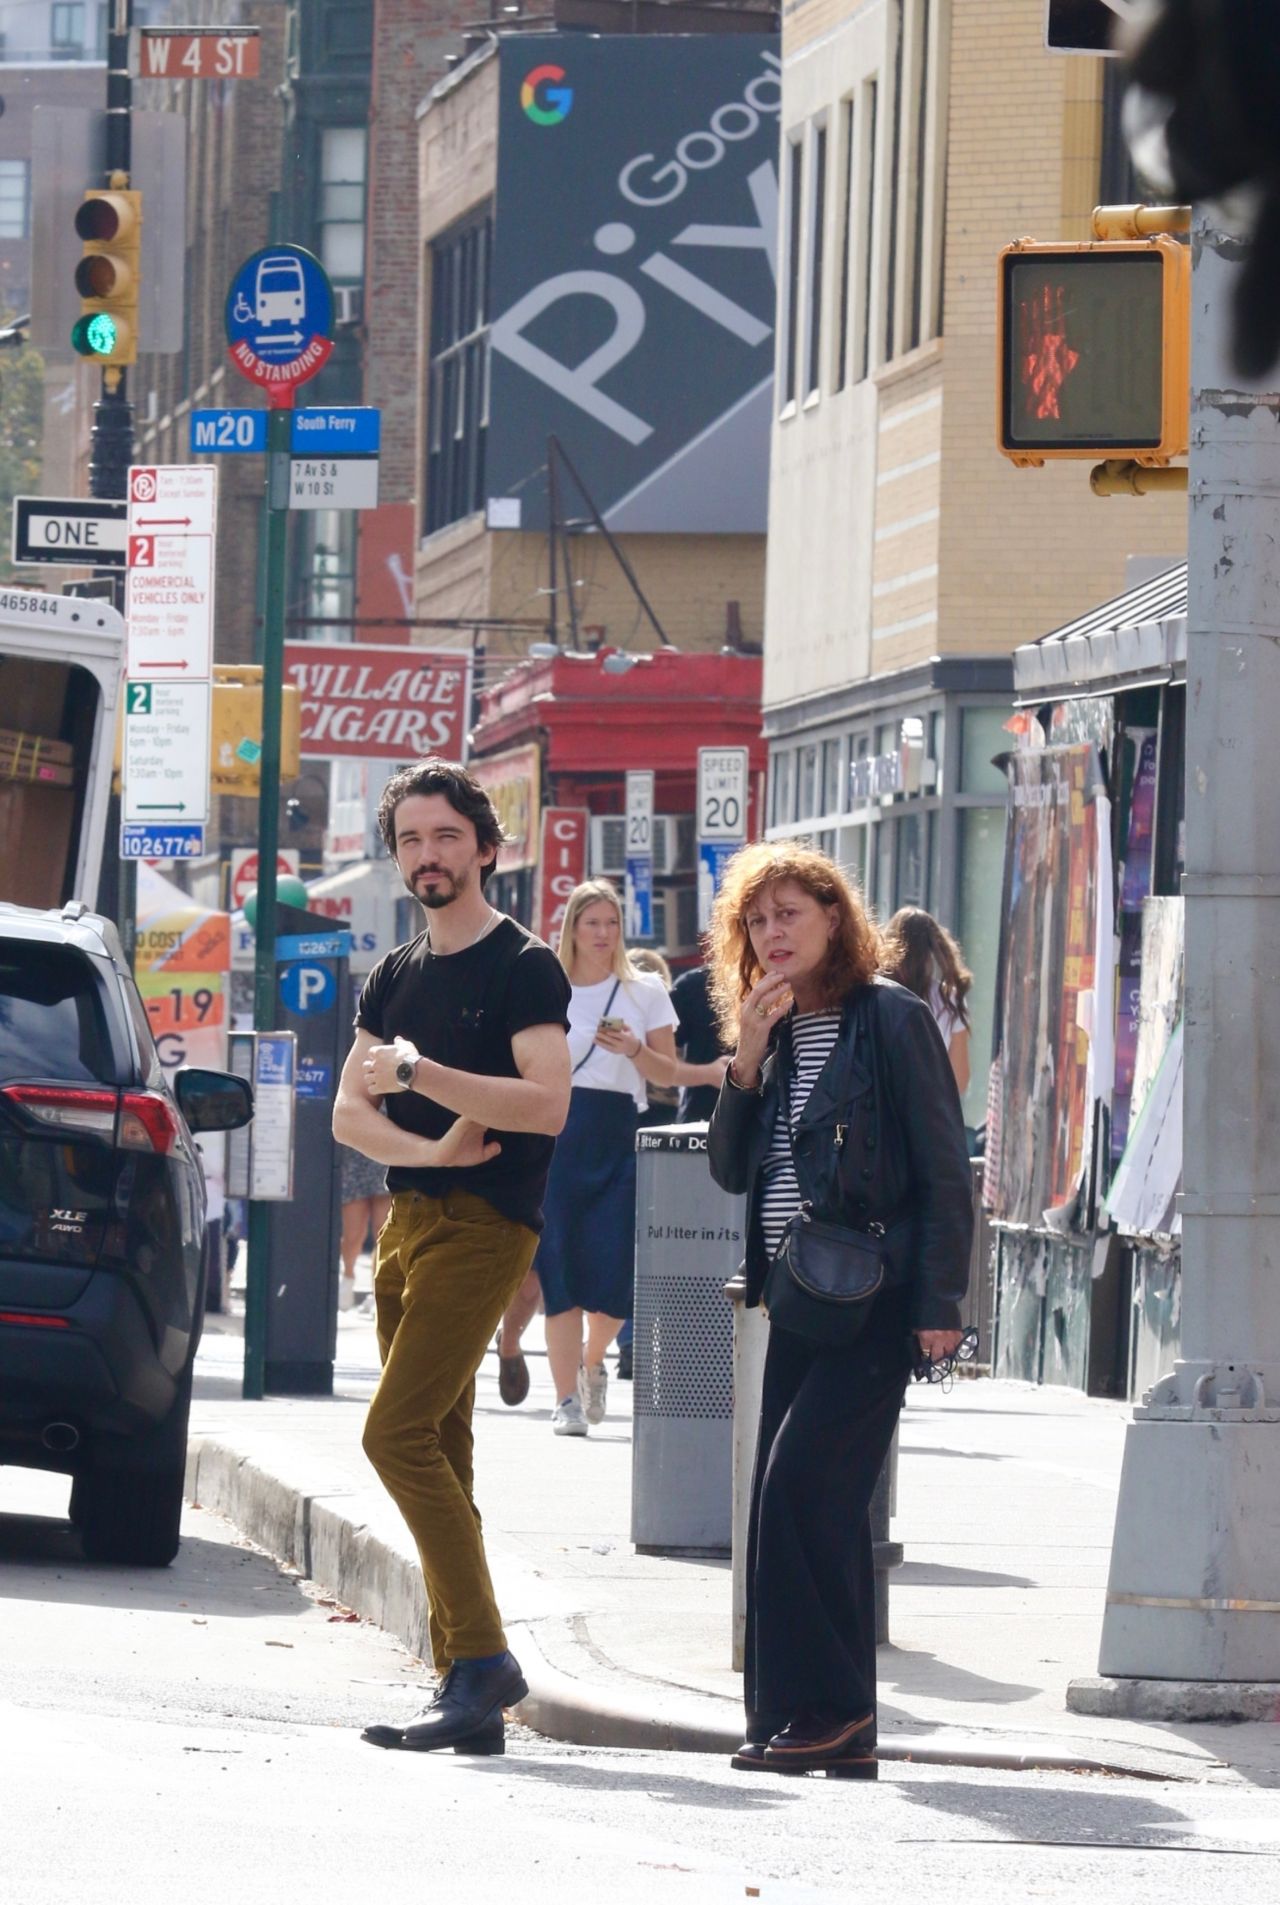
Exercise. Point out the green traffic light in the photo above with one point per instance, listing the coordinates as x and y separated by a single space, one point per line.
95 336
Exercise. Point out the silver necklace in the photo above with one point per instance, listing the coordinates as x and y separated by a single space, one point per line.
490 923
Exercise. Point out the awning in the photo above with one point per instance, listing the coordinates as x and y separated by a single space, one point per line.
1137 638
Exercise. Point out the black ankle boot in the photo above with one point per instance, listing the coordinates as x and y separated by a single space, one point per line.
467 1712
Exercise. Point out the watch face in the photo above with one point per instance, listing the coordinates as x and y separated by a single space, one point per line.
404 1071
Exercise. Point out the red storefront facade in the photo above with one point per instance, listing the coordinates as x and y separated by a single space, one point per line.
594 716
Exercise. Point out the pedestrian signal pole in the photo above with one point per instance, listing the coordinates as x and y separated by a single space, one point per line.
1192 1623
109 225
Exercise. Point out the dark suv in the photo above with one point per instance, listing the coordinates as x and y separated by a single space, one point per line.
102 1207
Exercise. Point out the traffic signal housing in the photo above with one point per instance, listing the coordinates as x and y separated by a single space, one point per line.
109 225
1094 350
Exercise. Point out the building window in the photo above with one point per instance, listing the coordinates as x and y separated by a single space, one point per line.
833 800
66 30
808 808
845 289
895 150
784 787
983 737
795 187
330 569
15 198
458 372
920 208
817 244
342 174
867 220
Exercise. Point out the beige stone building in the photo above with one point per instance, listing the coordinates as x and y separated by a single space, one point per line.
906 557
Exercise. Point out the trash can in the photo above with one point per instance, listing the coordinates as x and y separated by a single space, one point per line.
688 1244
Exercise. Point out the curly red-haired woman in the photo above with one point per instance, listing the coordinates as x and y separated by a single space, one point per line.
839 1103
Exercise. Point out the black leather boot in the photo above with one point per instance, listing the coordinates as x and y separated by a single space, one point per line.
813 1744
466 1714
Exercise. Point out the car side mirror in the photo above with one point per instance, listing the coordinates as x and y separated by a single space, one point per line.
212 1101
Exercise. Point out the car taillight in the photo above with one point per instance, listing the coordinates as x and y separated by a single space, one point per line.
65 1108
147 1123
34 1322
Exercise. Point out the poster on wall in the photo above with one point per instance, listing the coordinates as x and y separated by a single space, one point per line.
1050 1075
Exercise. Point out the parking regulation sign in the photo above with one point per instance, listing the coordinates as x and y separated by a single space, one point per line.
279 318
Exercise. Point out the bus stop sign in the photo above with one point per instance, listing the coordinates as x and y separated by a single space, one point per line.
280 319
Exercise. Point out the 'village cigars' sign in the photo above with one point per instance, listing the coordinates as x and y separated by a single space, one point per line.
362 702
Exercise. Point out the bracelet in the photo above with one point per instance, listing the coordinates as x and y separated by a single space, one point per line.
633 1056
736 1082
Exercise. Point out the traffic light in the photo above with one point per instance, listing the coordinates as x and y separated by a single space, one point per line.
1094 350
109 224
237 729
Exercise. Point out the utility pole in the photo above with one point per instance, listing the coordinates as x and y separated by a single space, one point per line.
111 438
1192 1623
264 960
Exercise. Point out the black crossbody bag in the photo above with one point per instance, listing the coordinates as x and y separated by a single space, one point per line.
823 1276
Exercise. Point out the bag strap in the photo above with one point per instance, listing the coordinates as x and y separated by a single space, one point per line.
604 1015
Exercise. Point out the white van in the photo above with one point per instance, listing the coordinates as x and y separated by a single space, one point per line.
61 668
280 294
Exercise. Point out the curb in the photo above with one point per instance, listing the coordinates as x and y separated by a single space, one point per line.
313 1533
563 1708
1176 1702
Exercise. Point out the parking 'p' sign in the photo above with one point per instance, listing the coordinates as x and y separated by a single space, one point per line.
279 318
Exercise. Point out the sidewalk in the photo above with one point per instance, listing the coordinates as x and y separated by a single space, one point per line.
1006 1501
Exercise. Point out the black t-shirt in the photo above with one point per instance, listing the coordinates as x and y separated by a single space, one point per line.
698 1037
463 1010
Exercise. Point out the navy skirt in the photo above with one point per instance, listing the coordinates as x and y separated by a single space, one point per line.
586 1256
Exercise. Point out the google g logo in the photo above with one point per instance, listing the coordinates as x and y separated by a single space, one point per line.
545 98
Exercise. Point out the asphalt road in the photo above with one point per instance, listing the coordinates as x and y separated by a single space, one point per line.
193 1735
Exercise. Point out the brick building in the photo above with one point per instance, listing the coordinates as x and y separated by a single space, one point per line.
473 560
320 150
907 559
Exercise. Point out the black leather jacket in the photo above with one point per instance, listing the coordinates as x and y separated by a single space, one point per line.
881 1140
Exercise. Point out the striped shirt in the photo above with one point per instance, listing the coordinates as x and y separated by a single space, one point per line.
813 1037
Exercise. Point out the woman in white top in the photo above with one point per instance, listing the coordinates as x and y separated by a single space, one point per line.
621 1038
923 956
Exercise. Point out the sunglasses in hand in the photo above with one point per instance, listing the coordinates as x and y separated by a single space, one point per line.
943 1368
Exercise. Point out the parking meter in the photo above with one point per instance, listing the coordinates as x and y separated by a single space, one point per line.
312 1001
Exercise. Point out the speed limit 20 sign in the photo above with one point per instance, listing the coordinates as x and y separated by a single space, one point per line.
722 819
722 793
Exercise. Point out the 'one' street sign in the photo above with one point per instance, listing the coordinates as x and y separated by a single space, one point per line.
69 530
279 317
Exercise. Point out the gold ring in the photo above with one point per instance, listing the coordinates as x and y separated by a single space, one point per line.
762 1011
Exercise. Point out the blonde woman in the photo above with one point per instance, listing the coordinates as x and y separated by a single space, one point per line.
621 1039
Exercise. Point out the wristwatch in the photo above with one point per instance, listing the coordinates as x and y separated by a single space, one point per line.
406 1071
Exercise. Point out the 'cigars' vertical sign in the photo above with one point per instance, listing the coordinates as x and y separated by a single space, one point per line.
562 865
366 703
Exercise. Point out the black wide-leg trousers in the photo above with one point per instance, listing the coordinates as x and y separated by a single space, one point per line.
827 1421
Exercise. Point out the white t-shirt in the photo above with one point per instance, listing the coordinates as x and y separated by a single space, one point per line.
642 1001
949 1022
